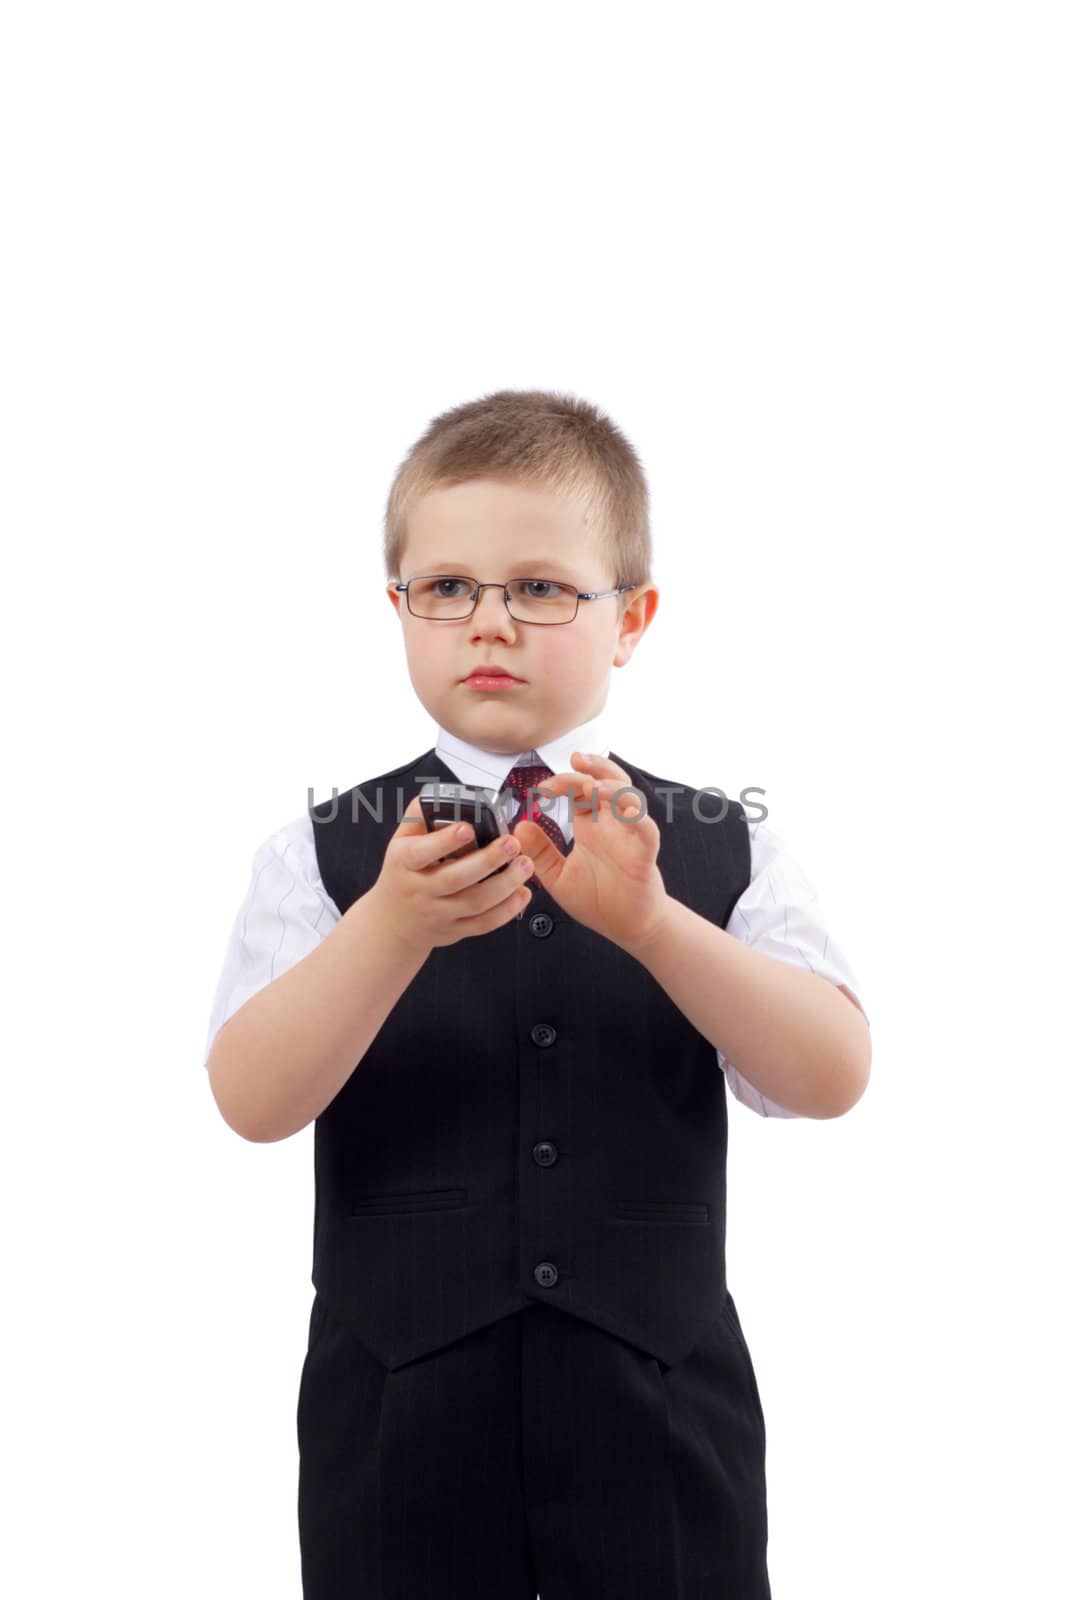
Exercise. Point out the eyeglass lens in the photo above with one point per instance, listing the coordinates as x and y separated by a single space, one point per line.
444 598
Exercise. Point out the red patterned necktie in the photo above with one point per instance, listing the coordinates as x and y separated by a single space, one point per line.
521 780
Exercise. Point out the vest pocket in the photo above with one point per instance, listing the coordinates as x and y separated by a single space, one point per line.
685 1211
383 1205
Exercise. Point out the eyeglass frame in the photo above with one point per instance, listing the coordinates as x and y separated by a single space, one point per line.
603 594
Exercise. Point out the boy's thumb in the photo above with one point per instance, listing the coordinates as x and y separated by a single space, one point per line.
539 847
413 815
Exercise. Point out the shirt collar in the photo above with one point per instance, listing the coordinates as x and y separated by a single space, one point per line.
486 769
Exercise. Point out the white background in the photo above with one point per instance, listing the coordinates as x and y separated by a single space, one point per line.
811 259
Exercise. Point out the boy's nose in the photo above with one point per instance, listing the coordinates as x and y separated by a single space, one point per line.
490 614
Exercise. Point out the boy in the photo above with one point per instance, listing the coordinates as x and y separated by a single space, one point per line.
525 1373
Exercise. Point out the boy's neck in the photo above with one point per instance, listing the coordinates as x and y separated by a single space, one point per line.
489 768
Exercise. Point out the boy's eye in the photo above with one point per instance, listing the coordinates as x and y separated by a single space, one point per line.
452 588
540 588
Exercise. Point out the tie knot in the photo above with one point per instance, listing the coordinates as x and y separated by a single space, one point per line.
520 780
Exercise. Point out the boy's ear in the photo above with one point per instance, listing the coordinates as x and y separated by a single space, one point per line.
397 599
647 604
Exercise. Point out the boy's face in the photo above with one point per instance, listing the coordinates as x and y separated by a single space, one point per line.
494 531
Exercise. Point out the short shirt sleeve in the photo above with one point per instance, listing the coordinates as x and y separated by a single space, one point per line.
779 914
285 913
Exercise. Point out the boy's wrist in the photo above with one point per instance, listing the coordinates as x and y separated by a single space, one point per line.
655 938
381 927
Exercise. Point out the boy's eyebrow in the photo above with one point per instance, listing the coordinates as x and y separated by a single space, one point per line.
522 568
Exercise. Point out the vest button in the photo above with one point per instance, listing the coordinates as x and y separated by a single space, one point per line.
543 1034
545 1154
545 1274
541 925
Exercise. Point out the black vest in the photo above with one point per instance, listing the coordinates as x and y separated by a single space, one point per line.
535 1120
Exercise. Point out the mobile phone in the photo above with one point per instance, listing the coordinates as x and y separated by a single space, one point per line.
444 804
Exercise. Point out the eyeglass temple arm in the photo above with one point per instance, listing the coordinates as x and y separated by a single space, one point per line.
603 594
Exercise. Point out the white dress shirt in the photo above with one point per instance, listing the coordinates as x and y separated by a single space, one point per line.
287 912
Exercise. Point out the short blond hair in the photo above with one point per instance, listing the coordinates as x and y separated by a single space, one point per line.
539 438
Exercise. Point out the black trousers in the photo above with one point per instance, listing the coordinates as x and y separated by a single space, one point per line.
538 1456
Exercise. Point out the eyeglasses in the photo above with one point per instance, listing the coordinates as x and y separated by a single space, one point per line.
442 597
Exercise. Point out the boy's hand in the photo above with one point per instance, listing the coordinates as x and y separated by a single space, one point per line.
426 902
609 881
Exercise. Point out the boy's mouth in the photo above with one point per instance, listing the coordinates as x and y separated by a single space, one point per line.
491 678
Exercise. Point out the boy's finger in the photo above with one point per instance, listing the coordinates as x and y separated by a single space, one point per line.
535 842
547 860
599 766
613 794
564 785
438 843
587 791
413 814
427 845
